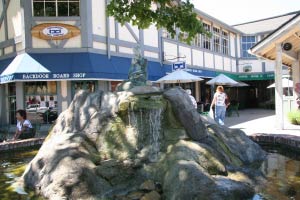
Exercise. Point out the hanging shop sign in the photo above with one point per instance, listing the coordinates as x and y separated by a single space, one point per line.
249 77
55 31
178 66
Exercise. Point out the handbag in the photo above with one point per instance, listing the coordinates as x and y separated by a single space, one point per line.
211 113
27 133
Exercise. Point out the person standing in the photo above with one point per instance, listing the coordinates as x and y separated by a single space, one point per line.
219 101
192 98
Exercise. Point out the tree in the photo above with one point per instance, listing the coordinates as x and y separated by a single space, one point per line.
167 14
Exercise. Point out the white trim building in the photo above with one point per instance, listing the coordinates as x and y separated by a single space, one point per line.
83 48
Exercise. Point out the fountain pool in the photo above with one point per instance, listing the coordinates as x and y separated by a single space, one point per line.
281 168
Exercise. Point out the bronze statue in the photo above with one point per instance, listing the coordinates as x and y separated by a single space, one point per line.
137 74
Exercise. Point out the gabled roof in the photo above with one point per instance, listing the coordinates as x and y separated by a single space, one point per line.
216 21
287 32
264 26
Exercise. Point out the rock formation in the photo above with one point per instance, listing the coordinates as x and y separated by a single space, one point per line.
142 144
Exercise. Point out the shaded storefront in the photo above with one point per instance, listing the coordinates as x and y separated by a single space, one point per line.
46 90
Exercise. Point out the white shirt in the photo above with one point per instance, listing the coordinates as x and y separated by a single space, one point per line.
220 98
193 101
26 123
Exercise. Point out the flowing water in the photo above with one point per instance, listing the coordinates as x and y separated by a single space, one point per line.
282 170
147 124
154 126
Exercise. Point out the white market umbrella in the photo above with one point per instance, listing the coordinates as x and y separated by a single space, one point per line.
286 83
179 76
240 84
222 80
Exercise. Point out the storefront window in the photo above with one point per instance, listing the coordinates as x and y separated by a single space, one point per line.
89 86
12 103
41 101
56 8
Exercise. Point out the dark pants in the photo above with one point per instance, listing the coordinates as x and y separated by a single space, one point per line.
26 135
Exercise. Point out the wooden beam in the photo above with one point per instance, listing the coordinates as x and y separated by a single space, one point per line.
290 55
132 32
4 11
297 35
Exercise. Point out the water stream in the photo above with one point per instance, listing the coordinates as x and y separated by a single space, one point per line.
155 128
147 124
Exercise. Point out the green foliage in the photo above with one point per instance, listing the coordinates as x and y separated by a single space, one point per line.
168 14
294 117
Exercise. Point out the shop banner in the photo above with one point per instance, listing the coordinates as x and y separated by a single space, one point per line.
249 77
48 76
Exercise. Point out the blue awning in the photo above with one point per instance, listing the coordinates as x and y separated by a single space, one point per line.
79 66
21 66
4 63
202 72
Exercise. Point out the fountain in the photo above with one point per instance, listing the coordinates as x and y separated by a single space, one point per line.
142 141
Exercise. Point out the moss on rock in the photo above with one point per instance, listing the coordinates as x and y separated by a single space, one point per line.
114 142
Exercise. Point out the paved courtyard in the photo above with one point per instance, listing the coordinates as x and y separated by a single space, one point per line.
253 121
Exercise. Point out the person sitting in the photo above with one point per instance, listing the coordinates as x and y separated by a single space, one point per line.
24 127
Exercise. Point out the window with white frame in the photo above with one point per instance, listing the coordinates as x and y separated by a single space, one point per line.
225 43
247 43
197 40
41 101
216 39
206 44
55 8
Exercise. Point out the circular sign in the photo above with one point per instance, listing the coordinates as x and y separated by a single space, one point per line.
55 31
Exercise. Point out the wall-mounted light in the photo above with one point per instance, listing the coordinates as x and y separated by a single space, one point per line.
287 46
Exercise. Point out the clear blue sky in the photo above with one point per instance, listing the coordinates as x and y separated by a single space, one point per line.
240 11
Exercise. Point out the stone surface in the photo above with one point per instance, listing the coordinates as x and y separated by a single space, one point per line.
289 141
225 140
145 90
107 146
151 196
64 168
135 195
188 180
148 185
186 114
13 145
